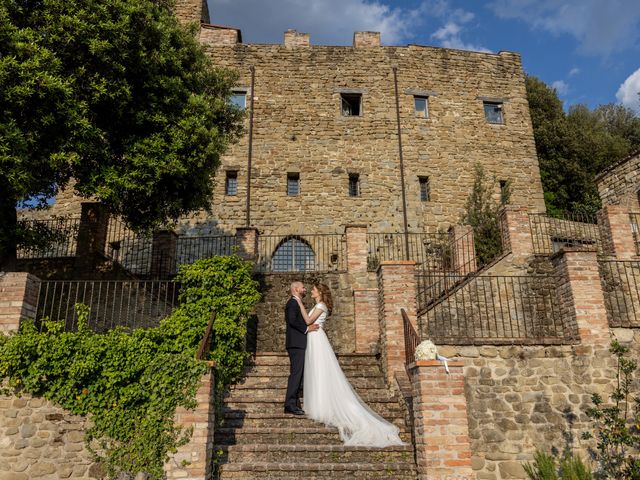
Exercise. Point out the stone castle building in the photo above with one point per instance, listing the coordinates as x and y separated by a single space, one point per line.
348 134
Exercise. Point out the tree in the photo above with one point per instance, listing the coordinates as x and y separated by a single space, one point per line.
574 147
116 95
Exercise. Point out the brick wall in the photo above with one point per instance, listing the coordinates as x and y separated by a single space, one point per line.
18 299
618 185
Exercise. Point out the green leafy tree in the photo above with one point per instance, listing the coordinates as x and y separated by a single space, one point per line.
116 95
482 213
617 424
574 146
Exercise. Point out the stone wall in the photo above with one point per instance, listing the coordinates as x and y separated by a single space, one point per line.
40 440
298 128
271 327
618 185
523 398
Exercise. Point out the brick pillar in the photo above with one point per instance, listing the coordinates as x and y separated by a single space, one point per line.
199 451
516 231
365 308
396 290
616 232
164 249
18 299
463 251
92 233
247 240
357 249
580 293
441 429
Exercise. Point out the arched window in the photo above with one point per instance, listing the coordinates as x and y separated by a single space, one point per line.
293 255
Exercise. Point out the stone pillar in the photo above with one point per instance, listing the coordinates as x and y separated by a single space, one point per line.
247 241
580 292
616 232
92 233
441 429
18 299
293 38
164 249
199 451
396 290
516 231
463 249
365 309
366 39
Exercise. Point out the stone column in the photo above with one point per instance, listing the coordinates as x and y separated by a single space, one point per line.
164 249
199 451
463 251
357 249
616 232
581 298
516 231
92 233
18 299
365 310
441 429
247 241
396 290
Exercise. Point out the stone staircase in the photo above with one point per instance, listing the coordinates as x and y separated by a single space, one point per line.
258 441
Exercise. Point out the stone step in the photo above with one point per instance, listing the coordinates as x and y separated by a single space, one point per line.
293 453
239 420
318 434
385 408
269 392
346 359
372 377
310 470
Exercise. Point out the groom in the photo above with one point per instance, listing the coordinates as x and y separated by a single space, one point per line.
296 345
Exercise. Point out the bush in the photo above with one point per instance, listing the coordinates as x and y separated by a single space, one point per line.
131 383
545 467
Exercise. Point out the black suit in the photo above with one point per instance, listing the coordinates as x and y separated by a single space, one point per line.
296 344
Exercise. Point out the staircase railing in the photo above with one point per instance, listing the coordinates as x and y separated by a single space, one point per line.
411 339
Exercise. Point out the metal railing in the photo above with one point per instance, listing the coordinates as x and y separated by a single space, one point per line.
190 249
549 234
424 248
411 339
51 238
119 303
621 289
302 253
131 250
634 217
497 310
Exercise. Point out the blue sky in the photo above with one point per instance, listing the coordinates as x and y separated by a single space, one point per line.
589 50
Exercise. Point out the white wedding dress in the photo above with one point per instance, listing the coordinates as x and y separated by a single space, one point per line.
329 397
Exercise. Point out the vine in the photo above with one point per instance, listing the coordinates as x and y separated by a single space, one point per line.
131 382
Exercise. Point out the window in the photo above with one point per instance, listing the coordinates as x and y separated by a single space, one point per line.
351 104
421 106
504 191
231 183
293 255
354 185
293 184
239 99
425 190
493 112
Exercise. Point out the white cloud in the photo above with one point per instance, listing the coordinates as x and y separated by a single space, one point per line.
601 28
450 34
628 93
560 86
574 71
329 22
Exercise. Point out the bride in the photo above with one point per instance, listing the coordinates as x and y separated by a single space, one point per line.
328 396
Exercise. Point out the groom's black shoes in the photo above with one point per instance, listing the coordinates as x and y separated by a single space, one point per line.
294 411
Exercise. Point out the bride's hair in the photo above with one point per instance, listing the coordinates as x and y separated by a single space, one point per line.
325 295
